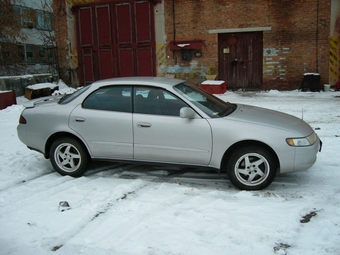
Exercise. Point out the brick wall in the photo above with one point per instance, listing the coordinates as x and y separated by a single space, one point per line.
61 33
299 35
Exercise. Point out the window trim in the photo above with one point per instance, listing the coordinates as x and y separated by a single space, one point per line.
150 110
45 18
109 107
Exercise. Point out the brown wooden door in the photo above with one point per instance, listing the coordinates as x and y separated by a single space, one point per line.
240 60
115 39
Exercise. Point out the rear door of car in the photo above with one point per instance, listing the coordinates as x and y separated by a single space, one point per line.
104 121
161 135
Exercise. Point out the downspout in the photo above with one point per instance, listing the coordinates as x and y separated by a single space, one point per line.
174 20
317 36
174 29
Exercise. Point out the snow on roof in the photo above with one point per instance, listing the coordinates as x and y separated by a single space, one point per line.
42 86
36 37
25 76
212 82
311 74
35 4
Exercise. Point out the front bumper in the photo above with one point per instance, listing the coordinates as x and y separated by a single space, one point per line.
305 157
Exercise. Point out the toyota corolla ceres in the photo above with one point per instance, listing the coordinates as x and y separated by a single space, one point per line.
166 121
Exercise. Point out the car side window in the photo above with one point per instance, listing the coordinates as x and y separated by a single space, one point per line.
149 100
110 98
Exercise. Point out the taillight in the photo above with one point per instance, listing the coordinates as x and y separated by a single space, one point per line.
22 120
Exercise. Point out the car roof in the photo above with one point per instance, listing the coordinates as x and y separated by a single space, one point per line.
141 80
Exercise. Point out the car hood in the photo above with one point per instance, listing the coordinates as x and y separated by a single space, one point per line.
270 118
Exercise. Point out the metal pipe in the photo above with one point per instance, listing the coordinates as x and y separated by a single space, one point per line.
317 37
174 20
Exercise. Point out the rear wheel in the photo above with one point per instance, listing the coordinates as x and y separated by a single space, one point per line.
251 168
69 157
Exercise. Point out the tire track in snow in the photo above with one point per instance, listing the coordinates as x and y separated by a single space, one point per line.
35 204
149 179
102 167
39 189
100 209
194 177
37 196
131 214
24 181
42 187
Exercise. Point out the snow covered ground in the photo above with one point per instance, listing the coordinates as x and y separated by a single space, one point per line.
140 210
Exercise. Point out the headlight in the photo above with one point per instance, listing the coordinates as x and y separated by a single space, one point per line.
300 142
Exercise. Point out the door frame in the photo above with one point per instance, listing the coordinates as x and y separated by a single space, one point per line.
240 59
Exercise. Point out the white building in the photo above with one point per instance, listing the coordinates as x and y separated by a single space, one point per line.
36 51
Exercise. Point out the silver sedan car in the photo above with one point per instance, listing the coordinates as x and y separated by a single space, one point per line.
166 121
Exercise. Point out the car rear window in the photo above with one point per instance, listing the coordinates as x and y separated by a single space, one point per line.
69 97
110 98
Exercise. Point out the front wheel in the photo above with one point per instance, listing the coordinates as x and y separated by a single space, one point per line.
69 157
251 168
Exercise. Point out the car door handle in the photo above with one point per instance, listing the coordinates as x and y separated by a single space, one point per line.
78 119
143 124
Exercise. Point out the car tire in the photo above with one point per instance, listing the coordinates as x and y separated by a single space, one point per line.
69 157
251 168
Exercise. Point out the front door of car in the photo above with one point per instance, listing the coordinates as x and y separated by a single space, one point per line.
104 121
161 135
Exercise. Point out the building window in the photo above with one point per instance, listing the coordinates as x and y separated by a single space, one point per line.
29 54
46 54
43 54
26 53
26 16
44 20
21 53
17 12
30 18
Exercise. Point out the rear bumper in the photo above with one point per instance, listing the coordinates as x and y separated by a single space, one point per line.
25 138
21 133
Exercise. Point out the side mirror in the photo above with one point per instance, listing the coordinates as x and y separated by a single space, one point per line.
187 113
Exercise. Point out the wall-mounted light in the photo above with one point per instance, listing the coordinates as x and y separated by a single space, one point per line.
198 54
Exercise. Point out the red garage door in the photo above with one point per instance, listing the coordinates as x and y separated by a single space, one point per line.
115 39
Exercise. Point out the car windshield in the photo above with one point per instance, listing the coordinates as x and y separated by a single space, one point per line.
209 104
69 97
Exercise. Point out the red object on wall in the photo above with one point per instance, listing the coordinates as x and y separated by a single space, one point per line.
214 87
7 99
337 85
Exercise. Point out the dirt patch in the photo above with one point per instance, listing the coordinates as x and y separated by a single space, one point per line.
308 217
280 248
